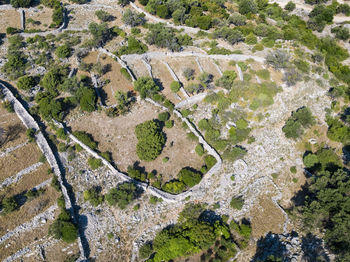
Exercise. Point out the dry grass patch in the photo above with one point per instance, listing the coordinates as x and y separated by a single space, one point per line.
9 18
18 160
117 81
138 68
28 181
180 64
29 210
161 72
61 251
209 67
117 136
26 239
40 15
266 217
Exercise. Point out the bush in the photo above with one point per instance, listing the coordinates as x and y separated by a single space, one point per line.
174 187
12 30
210 161
55 183
132 18
162 11
26 82
63 51
151 140
164 116
301 118
175 86
122 195
237 19
145 251
104 16
277 59
237 203
247 6
188 73
8 205
169 123
65 230
61 134
125 73
154 200
21 3
146 87
199 149
293 169
94 163
86 138
92 195
31 134
290 6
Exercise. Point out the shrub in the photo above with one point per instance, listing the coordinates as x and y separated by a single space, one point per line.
145 251
154 200
293 169
237 203
237 19
12 30
8 205
199 149
65 230
92 195
174 187
247 6
31 134
146 87
175 86
210 161
164 116
61 134
63 51
94 163
290 6
132 18
169 123
104 16
21 3
125 73
251 39
86 138
264 74
188 73
151 140
55 183
26 82
277 59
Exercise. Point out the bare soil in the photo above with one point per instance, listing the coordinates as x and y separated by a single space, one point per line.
117 136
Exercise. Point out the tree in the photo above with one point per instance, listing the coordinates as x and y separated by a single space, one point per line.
175 86
189 177
151 140
15 65
237 19
26 82
204 22
21 3
9 204
146 87
227 79
310 160
104 16
277 59
87 98
100 32
237 203
162 11
290 6
132 18
247 6
122 195
163 37
63 229
63 51
145 250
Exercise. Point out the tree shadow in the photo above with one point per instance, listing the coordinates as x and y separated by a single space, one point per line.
269 247
313 249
